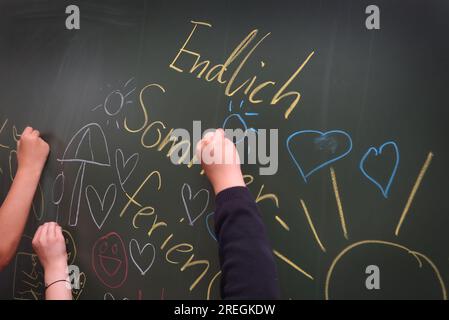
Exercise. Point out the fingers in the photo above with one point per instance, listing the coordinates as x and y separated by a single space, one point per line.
58 232
37 235
213 143
51 231
46 231
219 136
27 131
220 133
207 138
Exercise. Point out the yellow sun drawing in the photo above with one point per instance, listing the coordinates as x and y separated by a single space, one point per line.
419 261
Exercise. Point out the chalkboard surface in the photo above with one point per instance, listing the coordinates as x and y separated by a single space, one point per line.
358 197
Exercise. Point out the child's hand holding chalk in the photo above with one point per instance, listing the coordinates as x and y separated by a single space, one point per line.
220 161
32 152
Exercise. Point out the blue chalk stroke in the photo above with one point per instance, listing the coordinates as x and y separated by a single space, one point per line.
230 105
212 234
385 190
240 118
322 136
324 143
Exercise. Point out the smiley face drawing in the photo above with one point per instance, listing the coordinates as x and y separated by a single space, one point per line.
109 260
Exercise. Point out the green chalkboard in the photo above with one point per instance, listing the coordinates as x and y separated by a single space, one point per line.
358 195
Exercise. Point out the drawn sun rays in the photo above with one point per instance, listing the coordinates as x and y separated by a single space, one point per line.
116 100
239 115
421 258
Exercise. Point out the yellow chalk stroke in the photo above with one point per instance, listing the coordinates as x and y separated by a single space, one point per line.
201 23
282 223
292 264
15 135
248 179
416 255
268 196
71 246
339 205
132 200
209 288
413 193
1 130
312 227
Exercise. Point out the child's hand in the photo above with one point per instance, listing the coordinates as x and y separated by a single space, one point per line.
32 151
49 244
220 161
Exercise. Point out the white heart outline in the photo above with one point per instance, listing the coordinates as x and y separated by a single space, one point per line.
102 202
142 272
191 222
125 163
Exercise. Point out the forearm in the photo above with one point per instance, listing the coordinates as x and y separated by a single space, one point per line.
247 262
14 212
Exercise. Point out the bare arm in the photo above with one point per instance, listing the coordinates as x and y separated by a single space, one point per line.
49 244
32 153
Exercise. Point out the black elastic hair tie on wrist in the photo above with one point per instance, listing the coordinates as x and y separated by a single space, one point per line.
48 286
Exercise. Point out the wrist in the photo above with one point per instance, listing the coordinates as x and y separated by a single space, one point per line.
228 181
56 272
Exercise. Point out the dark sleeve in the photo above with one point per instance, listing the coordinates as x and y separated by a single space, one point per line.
246 258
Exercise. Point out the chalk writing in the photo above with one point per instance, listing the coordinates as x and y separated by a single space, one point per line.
248 87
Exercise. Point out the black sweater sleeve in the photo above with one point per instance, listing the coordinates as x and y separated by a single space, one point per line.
246 257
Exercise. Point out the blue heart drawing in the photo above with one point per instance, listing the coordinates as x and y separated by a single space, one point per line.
385 190
305 175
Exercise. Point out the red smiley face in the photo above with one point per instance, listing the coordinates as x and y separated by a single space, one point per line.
109 260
